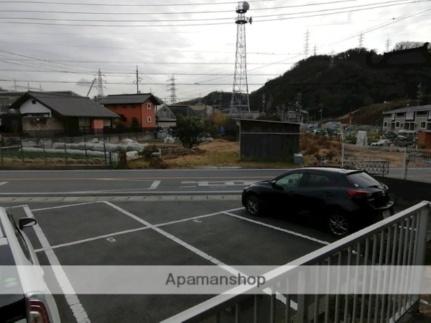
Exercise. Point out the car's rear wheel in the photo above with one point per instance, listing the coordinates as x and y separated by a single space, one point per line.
338 224
253 205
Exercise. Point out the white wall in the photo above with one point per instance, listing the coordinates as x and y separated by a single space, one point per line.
33 107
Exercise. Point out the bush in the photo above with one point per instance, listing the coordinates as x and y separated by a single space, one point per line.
188 130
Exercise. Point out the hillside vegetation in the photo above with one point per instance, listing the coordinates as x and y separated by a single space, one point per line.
340 84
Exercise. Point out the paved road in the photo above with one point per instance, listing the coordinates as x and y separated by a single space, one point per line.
413 174
130 182
146 182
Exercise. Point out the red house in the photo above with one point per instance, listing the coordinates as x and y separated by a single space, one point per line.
135 110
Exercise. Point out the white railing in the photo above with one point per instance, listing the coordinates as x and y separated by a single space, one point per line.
399 240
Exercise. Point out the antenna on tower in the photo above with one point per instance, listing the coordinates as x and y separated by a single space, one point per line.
307 43
240 101
99 84
172 90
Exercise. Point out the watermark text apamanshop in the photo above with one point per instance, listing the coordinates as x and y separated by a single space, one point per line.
215 280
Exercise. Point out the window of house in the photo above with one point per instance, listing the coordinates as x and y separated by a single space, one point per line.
410 115
423 125
429 126
397 124
385 124
149 120
149 106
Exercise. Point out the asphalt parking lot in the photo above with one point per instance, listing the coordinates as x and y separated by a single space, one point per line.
159 233
190 217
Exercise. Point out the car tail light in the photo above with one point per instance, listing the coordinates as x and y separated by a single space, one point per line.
37 311
355 193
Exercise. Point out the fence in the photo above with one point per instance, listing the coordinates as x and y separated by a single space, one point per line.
399 160
399 240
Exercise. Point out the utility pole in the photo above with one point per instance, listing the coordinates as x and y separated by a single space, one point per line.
240 101
315 50
137 80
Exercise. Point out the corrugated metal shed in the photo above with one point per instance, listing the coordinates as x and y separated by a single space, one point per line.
268 140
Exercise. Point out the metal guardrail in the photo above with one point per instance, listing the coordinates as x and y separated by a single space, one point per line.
399 240
373 167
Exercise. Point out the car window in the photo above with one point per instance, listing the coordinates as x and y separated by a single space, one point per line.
362 180
319 180
290 181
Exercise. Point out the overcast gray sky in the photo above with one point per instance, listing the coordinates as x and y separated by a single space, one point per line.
66 41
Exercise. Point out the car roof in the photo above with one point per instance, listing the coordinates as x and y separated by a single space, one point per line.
329 170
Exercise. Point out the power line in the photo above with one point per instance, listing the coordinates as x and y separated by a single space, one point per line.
126 73
116 5
170 12
279 17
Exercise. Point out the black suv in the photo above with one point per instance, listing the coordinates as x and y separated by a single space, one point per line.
344 200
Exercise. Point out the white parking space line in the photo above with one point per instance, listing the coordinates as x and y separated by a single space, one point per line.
276 228
191 248
104 236
72 299
124 232
3 240
3 183
63 206
177 240
155 185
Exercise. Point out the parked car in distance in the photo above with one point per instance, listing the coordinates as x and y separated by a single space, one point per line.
381 143
342 200
35 304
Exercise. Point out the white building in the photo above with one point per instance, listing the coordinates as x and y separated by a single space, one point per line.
408 118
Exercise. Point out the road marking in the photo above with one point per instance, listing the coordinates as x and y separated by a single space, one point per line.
63 206
191 248
276 228
3 183
189 184
69 293
154 185
176 240
124 232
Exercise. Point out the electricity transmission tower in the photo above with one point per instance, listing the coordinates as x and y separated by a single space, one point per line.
172 90
99 84
307 44
361 40
240 100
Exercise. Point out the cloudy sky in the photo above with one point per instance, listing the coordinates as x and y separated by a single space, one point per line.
61 44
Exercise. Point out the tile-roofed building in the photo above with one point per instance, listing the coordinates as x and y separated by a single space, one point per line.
47 113
137 111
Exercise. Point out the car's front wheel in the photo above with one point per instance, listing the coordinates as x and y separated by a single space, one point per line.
253 205
338 224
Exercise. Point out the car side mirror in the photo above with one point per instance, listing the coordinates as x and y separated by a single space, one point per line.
275 185
26 222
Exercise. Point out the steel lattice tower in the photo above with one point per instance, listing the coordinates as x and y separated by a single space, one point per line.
240 100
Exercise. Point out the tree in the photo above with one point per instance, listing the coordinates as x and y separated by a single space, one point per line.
188 130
